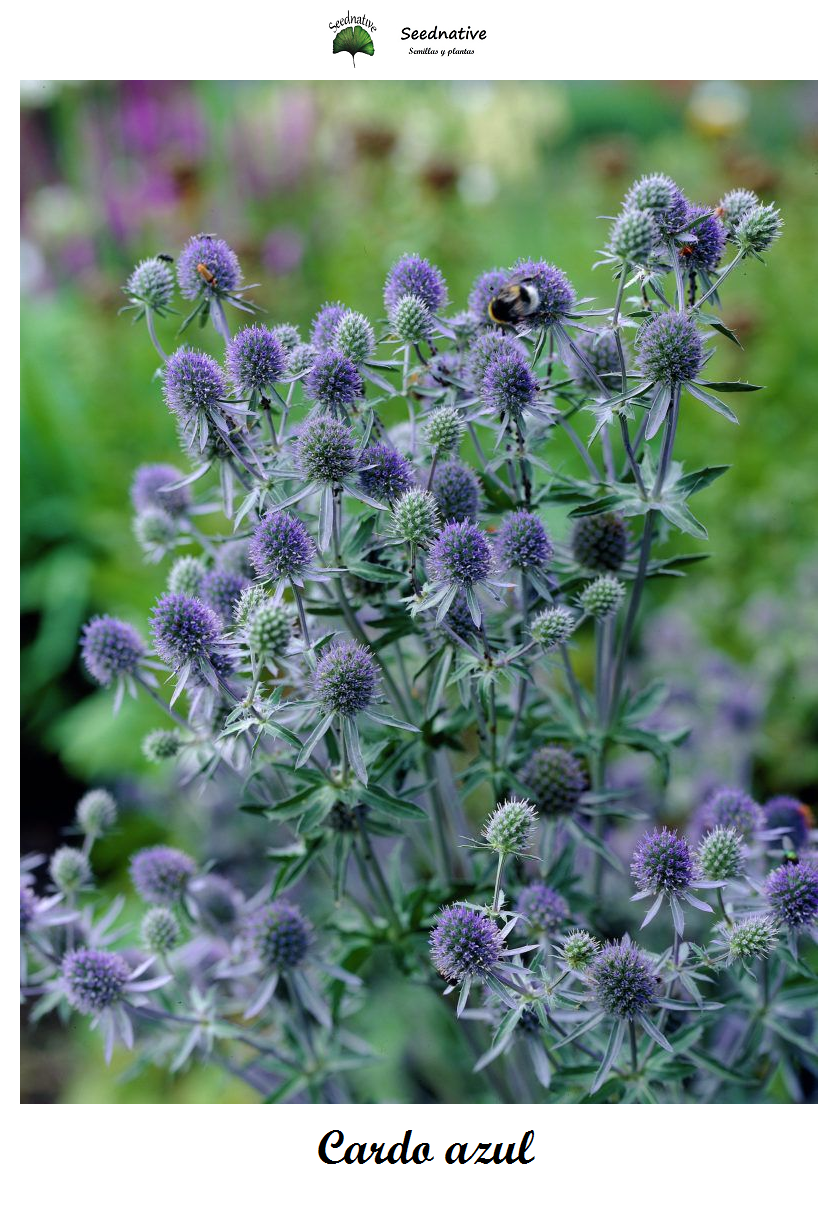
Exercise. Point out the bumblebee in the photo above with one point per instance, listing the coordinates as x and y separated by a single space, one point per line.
514 302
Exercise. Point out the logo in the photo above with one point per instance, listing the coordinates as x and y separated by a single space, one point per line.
353 36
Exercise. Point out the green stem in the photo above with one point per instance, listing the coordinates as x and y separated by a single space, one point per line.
497 890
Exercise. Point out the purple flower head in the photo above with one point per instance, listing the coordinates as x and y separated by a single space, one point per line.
556 294
110 648
669 349
346 679
456 489
333 381
623 980
704 253
793 815
146 489
255 360
556 778
600 351
464 942
287 335
543 907
221 589
663 863
215 902
731 807
523 542
386 474
160 874
509 385
207 267
281 547
461 554
485 350
326 451
193 383
93 980
414 275
185 630
791 890
600 542
485 287
663 198
325 324
278 935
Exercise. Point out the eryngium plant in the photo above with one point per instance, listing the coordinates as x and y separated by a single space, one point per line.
386 641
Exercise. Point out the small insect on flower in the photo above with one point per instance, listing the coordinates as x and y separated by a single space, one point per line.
208 266
485 288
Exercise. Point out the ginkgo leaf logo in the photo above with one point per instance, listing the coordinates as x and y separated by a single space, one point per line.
355 41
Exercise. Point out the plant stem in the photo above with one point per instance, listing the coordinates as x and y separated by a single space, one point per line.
634 1053
497 890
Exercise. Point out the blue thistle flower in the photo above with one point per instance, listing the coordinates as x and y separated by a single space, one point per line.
464 942
414 275
751 939
734 205
96 813
333 381
221 589
758 229
578 949
523 542
326 450
288 336
186 632
510 828
543 907
600 542
161 874
509 386
791 890
346 679
355 337
281 547
456 490
385 473
669 349
412 320
484 289
623 980
484 351
461 554
278 935
663 863
93 980
159 930
193 384
147 489
598 347
326 324
207 267
731 807
111 649
556 294
704 252
557 779
152 284
256 360
721 855
634 235
661 197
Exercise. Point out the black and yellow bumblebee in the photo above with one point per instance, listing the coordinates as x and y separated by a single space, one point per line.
515 302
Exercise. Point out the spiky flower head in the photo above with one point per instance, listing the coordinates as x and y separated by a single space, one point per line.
663 863
509 385
556 778
600 542
634 235
216 903
599 349
731 807
414 275
791 814
543 907
602 597
669 349
301 358
355 337
510 828
791 890
96 813
464 942
751 939
281 547
278 935
346 679
93 980
185 576
411 319
385 474
556 294
444 429
623 980
523 542
221 589
185 630
156 532
457 490
485 349
326 451
110 649
193 383
160 874
152 283
416 517
661 197
757 229
553 626
579 949
484 289
734 205
721 855
251 599
208 268
70 869
333 381
160 745
147 489
287 335
255 360
269 630
703 253
325 325
461 553
159 930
